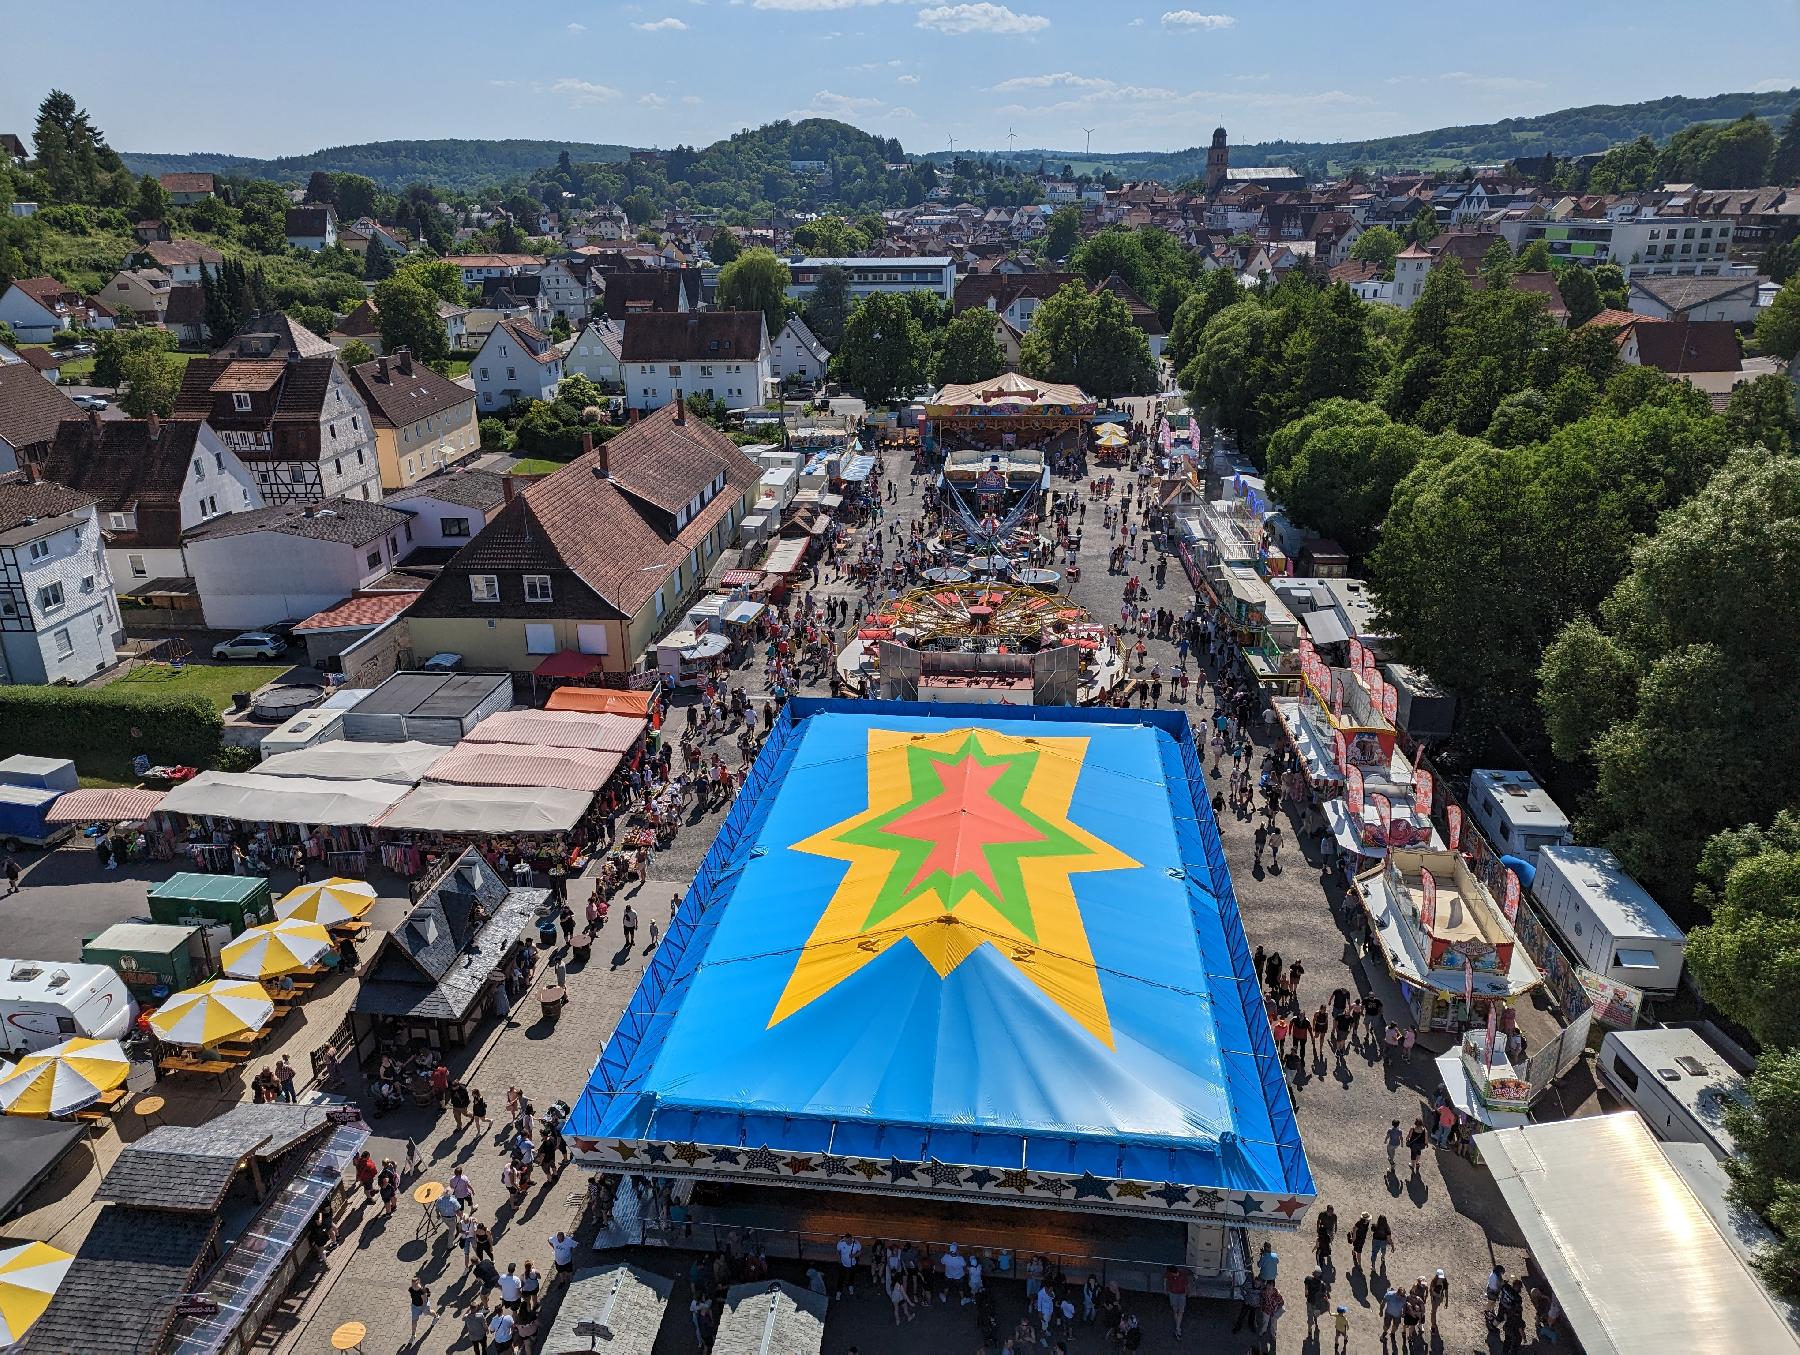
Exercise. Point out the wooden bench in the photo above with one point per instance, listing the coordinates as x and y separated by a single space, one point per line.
214 1066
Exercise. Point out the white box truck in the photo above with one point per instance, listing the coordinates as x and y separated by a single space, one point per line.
1515 813
1675 1079
1608 920
44 1002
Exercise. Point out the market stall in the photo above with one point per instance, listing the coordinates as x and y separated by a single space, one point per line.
445 808
227 819
611 733
527 764
404 763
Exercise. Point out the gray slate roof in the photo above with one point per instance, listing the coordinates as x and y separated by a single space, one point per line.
628 1301
189 1168
771 1315
353 522
436 964
115 1298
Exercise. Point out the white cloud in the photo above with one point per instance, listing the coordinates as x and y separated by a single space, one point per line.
1771 86
577 28
815 6
1193 18
980 18
652 100
584 91
1136 23
692 99
907 80
1055 80
900 111
837 105
668 25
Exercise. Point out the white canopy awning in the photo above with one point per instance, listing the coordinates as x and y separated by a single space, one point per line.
344 760
251 797
440 807
1630 1236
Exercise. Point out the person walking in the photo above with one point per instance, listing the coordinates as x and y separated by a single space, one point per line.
1359 1234
1416 1139
629 920
1326 1230
1275 848
1393 1314
284 1079
1408 1038
1440 1295
12 876
849 1250
1175 1285
562 1255
500 1331
1340 1341
420 1294
1395 1137
464 1192
1381 1237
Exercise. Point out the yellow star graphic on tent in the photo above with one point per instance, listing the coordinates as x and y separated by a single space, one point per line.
966 842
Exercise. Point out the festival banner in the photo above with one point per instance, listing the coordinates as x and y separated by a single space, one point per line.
1493 1024
1357 654
1469 986
1340 752
1428 908
1512 895
1384 810
1422 791
1453 817
1390 701
1353 792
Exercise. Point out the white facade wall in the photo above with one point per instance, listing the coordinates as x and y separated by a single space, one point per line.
348 465
505 372
33 323
260 577
590 357
75 619
651 385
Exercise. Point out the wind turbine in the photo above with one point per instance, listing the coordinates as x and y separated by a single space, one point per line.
1089 150
1011 136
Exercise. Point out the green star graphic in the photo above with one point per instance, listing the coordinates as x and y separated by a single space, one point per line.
964 831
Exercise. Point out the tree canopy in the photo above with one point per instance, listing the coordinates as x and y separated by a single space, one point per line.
1089 339
885 352
756 281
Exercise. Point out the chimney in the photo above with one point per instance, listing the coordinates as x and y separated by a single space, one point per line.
381 369
404 357
680 408
506 488
293 355
154 425
94 419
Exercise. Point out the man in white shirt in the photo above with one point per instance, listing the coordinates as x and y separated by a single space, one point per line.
509 1285
562 1251
956 1270
500 1330
849 1250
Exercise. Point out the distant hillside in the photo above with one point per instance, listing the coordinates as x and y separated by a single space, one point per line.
452 164
1571 131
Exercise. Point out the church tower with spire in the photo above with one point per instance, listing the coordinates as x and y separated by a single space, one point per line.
1218 161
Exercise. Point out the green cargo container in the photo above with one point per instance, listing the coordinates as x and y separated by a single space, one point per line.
238 901
148 956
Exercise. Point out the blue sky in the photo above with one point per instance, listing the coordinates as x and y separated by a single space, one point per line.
266 79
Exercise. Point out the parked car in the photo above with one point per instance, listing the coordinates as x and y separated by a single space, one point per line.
93 402
252 644
283 630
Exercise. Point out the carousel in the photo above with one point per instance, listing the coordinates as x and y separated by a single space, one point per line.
1009 639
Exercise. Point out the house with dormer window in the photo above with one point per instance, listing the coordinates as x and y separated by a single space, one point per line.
724 354
517 361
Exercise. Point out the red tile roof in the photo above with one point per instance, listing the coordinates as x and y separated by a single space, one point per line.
359 612
560 729
187 183
693 336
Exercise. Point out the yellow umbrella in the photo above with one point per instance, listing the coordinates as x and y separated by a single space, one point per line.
275 948
1114 439
1105 429
29 1276
61 1080
210 1012
327 902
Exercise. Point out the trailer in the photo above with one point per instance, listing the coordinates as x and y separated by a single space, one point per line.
44 1002
1607 920
1515 813
23 812
1676 1080
153 959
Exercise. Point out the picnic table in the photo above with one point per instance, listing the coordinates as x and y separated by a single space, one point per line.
178 1064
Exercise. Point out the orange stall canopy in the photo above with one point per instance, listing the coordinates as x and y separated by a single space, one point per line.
599 701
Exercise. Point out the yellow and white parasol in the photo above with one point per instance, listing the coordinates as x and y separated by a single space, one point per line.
210 1012
29 1276
327 902
275 948
61 1080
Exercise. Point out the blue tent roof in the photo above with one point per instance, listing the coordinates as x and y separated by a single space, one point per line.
1094 1033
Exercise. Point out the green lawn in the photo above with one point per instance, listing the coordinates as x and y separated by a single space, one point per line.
80 371
215 682
535 465
457 367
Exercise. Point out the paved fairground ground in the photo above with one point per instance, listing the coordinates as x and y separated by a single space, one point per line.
1447 1215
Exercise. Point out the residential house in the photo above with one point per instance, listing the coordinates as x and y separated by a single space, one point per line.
45 363
297 423
566 288
797 353
13 148
185 261
871 275
184 316
722 353
30 411
393 240
362 324
139 292
1142 315
424 422
448 509
597 558
294 559
271 334
311 228
478 268
1694 298
1015 297
37 308
456 324
152 480
149 229
185 190
59 621
595 354
517 362
1411 266
653 289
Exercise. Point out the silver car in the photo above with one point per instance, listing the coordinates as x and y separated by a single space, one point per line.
252 644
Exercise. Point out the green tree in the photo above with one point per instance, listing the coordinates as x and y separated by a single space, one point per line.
756 281
724 247
1063 232
1609 281
1423 228
1121 251
1784 166
1218 289
318 319
357 196
1088 339
1778 328
408 318
1534 258
151 383
113 346
969 348
1762 411
872 226
355 353
1706 735
559 327
1625 168
1747 958
1378 245
1579 293
830 237
828 308
1765 1171
1497 264
441 277
884 352
1335 469
152 200
378 264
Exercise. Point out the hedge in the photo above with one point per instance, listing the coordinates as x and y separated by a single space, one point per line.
118 721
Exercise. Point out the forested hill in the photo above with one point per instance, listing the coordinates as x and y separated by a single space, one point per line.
453 165
1568 132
